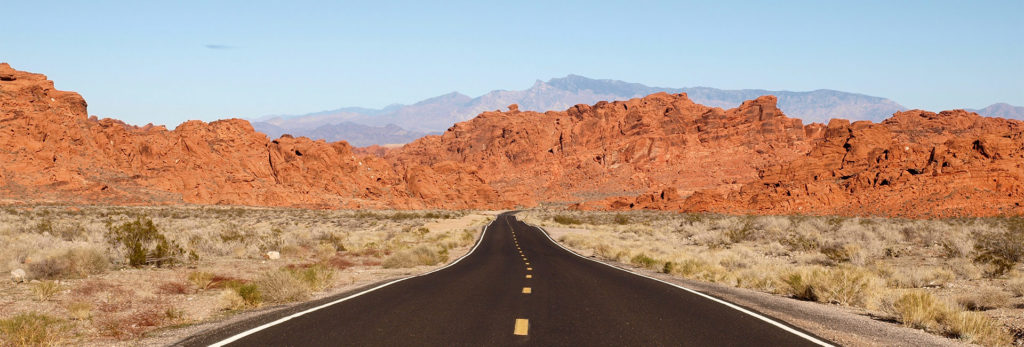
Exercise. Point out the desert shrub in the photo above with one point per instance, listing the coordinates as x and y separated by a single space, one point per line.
920 278
33 329
973 327
144 244
80 310
919 309
72 263
799 286
201 280
742 232
643 260
985 299
566 220
324 250
700 270
279 286
230 300
422 255
250 293
956 246
965 269
316 277
845 285
621 219
841 253
667 268
762 279
292 251
173 288
132 322
45 290
1001 250
1016 286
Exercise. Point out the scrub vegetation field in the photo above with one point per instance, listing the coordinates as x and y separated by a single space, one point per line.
960 278
116 275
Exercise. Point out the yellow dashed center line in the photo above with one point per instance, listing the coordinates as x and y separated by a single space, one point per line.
529 269
522 326
527 290
529 276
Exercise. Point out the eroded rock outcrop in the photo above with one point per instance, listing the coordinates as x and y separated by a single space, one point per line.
915 164
53 152
658 152
615 148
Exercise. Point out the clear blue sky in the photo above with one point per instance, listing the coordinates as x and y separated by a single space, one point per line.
169 61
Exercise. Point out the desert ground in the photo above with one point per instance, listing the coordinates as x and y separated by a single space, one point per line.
108 276
958 278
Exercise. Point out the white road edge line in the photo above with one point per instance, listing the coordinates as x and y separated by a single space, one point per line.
286 318
720 301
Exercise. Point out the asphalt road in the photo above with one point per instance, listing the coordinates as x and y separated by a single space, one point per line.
517 287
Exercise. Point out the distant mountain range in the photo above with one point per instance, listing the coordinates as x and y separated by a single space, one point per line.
1002 110
364 126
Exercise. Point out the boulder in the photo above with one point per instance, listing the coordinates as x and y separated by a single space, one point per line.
18 276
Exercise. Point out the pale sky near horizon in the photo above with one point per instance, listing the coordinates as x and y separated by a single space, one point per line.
169 61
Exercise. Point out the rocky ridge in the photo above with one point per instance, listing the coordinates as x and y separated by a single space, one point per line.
53 152
662 151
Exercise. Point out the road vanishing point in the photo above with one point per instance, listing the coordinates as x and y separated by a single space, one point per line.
517 287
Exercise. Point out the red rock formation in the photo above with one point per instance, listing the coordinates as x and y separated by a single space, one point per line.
915 164
591 152
53 152
658 152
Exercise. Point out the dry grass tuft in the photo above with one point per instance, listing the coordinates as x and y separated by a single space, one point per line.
201 280
316 277
973 327
920 278
919 309
80 310
421 255
45 290
230 300
34 329
278 286
851 286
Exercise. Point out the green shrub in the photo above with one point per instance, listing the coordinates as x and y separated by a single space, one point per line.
566 220
799 287
33 329
667 268
316 277
643 260
249 292
144 243
72 263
